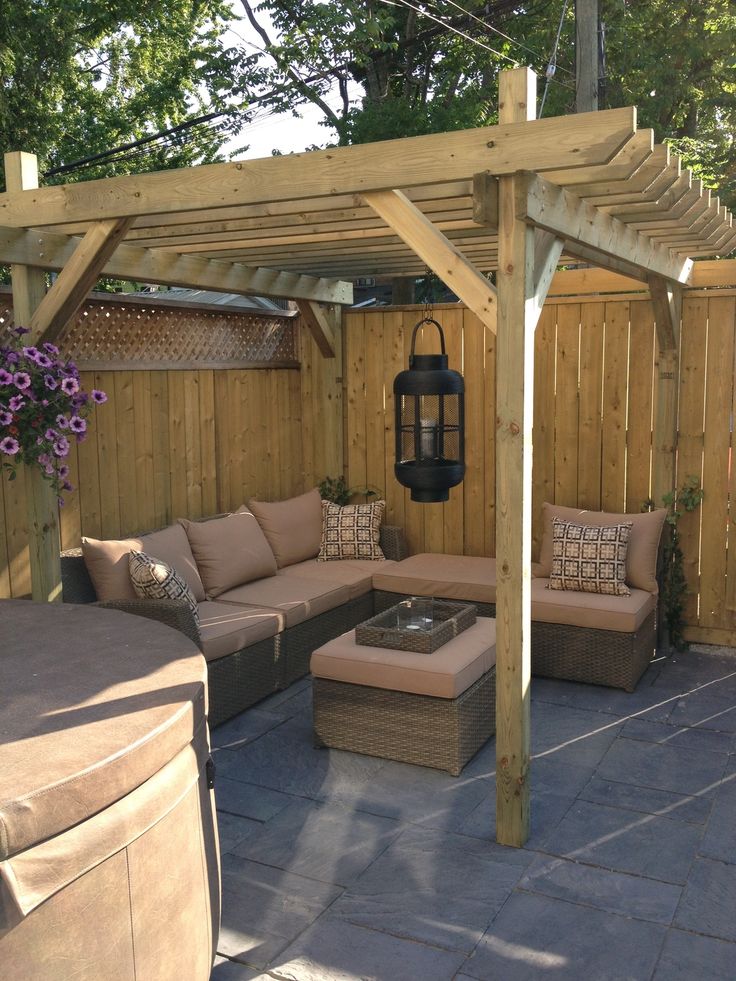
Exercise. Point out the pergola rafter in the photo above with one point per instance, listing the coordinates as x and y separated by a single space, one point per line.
513 200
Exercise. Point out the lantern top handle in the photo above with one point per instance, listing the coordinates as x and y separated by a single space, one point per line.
427 320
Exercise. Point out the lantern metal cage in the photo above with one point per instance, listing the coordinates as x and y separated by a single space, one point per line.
430 424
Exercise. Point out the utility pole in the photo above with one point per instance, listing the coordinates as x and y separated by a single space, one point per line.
586 55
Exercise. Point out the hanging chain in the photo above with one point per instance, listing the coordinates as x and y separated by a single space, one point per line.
428 301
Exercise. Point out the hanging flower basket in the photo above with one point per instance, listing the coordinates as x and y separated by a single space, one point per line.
42 409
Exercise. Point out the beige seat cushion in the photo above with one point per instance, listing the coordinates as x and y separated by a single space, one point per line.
447 673
356 574
293 528
107 561
641 558
297 599
229 551
226 628
622 613
466 577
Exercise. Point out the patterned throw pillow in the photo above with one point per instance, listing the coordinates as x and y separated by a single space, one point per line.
352 531
154 579
590 558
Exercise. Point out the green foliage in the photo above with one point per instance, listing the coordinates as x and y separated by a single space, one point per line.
674 586
78 77
671 58
335 489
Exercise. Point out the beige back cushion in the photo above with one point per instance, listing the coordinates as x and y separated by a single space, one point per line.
641 558
293 528
107 561
229 551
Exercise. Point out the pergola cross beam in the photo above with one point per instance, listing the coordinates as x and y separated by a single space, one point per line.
556 210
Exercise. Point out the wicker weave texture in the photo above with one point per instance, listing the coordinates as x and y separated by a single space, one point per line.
382 630
443 733
596 657
240 680
301 640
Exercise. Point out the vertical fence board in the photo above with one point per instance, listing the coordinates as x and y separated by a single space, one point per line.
716 445
489 423
543 470
566 404
161 448
592 327
125 420
207 442
474 485
690 437
393 363
146 516
641 389
616 358
107 453
375 430
453 510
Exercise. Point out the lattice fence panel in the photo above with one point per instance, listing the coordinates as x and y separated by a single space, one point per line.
123 334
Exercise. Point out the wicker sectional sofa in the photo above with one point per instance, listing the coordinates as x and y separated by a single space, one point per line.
271 609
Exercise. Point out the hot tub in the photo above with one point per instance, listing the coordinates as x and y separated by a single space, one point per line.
108 845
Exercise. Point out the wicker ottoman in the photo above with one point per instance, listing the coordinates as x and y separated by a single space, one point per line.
430 709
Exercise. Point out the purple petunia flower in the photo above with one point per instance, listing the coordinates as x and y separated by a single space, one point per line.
50 382
63 471
43 361
61 446
51 434
17 402
20 331
67 486
51 348
31 353
49 469
12 358
5 377
9 446
43 459
77 425
98 396
69 386
5 417
22 380
62 422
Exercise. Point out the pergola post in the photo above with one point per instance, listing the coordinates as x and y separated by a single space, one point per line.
29 289
667 303
514 416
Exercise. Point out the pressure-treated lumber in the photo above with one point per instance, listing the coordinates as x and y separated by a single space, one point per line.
77 278
42 509
547 252
517 317
485 200
322 324
563 213
667 303
50 250
442 257
554 143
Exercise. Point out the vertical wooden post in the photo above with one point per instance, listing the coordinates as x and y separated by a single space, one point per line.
586 55
42 509
514 417
667 304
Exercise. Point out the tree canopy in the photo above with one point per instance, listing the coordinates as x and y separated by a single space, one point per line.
427 67
79 77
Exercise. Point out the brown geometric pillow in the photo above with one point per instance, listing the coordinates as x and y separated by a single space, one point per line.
154 579
352 531
590 558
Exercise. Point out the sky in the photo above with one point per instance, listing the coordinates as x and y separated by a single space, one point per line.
284 132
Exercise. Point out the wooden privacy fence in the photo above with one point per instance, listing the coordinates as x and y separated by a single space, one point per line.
595 384
176 443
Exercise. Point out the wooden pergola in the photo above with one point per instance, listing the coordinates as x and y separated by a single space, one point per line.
517 198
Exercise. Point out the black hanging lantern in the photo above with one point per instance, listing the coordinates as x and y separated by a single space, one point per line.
430 424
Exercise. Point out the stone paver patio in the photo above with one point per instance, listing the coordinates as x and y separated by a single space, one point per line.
338 866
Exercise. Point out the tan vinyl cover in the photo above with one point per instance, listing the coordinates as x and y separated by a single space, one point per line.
641 557
356 574
94 702
229 551
622 613
447 673
463 577
107 561
293 528
226 627
297 599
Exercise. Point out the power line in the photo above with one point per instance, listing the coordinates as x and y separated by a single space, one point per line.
552 66
491 27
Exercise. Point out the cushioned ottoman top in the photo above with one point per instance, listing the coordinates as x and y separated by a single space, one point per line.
447 673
